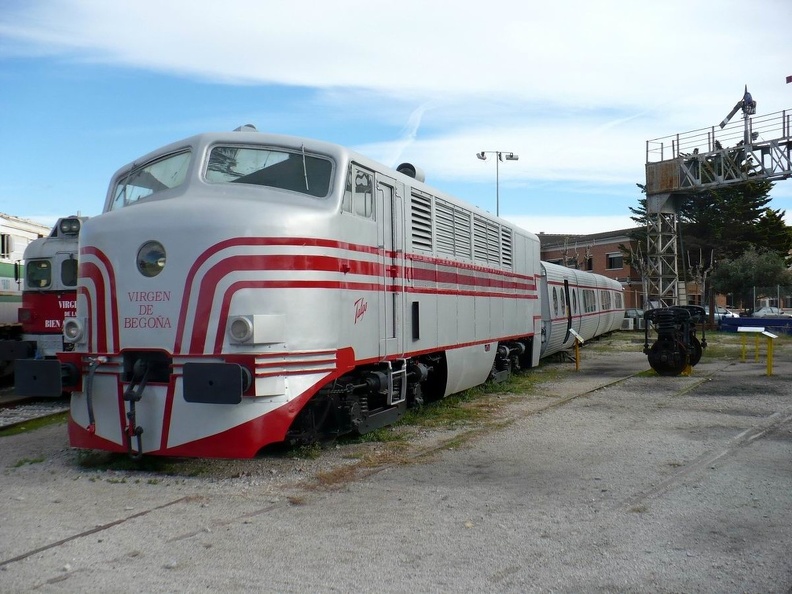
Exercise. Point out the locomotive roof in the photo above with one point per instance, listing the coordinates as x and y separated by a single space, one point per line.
248 135
200 141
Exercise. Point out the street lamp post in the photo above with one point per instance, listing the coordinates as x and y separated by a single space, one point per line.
499 156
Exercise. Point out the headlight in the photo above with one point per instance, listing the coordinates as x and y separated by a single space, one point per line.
72 330
70 226
258 329
240 329
151 258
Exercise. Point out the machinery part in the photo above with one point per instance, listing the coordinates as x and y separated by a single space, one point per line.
507 360
363 400
668 356
677 345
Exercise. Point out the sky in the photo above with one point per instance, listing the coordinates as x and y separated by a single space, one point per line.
575 88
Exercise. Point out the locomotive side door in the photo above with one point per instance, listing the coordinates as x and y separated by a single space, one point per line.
391 248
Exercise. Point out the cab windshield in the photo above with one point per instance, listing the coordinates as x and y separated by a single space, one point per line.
38 274
163 174
276 168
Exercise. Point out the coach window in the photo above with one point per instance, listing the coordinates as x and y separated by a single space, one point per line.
555 301
615 261
38 274
606 300
69 272
359 193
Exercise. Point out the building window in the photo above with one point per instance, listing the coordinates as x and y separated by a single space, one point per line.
6 245
615 261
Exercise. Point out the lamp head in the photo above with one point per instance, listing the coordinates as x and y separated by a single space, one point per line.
481 156
511 157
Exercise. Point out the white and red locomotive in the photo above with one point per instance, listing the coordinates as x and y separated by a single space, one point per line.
50 287
49 290
242 289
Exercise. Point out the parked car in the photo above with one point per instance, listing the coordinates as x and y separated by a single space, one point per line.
770 312
720 313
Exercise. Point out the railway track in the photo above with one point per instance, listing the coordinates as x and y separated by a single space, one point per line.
16 410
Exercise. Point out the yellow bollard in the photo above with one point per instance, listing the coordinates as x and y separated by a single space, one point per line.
770 337
756 331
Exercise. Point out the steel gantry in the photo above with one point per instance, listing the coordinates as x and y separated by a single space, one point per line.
682 165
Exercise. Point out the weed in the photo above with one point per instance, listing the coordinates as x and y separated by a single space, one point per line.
336 476
35 424
382 435
308 452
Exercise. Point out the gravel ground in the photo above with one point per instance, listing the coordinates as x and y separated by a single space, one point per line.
599 480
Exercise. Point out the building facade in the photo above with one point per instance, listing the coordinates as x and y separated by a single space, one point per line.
598 253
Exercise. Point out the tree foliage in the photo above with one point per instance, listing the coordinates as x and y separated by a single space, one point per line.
732 220
753 270
724 223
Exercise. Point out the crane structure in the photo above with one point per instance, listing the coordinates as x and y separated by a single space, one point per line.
681 165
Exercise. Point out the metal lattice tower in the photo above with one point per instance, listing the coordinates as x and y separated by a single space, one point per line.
686 164
661 250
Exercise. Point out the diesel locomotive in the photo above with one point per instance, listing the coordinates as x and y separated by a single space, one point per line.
242 289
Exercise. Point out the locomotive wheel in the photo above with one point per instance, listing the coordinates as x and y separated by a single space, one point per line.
695 350
668 357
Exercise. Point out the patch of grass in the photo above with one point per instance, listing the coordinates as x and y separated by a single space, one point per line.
452 411
336 476
482 403
25 461
343 474
35 424
381 435
308 452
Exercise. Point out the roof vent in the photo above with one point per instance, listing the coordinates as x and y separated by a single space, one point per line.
411 170
246 128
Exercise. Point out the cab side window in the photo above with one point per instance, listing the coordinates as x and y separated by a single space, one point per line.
69 273
359 193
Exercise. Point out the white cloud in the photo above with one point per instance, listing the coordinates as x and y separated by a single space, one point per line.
574 87
567 52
